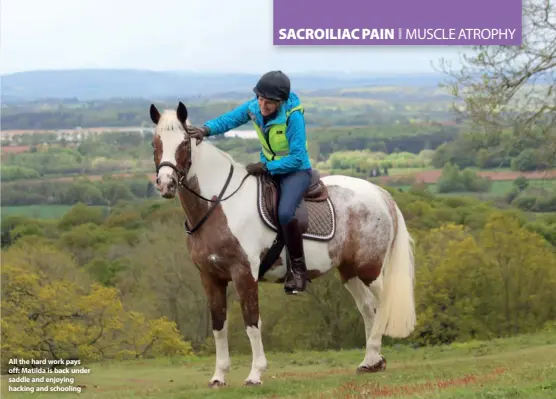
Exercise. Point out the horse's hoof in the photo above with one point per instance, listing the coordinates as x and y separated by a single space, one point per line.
216 384
380 366
250 383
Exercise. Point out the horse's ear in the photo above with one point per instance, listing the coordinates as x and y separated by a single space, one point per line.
155 115
182 113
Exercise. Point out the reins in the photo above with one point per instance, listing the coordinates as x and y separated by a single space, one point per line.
182 176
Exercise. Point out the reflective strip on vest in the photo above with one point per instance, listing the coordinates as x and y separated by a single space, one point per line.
276 146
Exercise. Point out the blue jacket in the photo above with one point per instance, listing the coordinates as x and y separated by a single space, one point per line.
297 159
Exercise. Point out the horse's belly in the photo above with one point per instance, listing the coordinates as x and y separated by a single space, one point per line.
317 261
317 256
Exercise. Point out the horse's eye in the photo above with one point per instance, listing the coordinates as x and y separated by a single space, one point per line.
152 144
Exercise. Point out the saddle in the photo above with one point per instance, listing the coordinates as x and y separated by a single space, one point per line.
316 192
315 212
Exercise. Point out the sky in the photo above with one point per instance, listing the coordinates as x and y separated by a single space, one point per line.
189 35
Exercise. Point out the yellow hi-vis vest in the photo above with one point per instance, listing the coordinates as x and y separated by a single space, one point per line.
276 146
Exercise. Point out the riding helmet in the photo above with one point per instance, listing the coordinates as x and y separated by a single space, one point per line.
274 85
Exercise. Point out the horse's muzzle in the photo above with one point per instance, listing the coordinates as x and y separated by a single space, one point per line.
167 186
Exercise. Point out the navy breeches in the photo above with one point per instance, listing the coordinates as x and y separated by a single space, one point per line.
293 187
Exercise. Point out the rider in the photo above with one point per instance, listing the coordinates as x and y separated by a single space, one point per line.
278 118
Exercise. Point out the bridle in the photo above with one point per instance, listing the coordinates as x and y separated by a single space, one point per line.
182 182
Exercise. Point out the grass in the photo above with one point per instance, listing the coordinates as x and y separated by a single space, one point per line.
518 367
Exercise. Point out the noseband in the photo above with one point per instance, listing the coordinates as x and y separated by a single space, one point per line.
182 182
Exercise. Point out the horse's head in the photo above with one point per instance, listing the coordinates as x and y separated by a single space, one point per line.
172 148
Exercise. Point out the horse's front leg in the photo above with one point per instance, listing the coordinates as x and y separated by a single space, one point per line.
248 293
215 290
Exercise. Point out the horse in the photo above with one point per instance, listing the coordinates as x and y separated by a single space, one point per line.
229 233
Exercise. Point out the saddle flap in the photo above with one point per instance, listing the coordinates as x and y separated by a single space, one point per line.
270 194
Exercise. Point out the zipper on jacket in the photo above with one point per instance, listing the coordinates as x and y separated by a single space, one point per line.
266 136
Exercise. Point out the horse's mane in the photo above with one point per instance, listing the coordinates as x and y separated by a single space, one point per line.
224 154
169 123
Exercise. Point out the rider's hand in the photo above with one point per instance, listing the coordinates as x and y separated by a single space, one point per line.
198 133
256 169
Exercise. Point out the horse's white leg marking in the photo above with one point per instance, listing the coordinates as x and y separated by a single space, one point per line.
248 292
222 354
367 304
259 363
215 291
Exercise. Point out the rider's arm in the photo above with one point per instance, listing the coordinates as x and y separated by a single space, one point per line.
228 121
295 133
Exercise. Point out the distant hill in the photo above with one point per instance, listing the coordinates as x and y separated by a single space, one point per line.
95 84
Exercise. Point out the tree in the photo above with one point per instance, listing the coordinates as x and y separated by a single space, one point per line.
523 296
512 87
50 309
80 214
161 281
494 282
452 284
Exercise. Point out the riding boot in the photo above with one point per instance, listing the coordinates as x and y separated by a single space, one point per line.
296 277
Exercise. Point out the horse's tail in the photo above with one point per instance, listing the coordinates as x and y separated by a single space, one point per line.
396 314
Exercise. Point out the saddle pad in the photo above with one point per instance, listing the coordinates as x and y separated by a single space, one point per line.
321 217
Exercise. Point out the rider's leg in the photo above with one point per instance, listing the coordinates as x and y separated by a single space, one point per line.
292 188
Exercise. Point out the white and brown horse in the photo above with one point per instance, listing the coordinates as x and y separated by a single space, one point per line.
371 247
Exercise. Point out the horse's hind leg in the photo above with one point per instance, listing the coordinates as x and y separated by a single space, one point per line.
248 293
215 290
367 303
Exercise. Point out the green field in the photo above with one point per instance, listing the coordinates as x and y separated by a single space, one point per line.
500 188
406 171
36 211
519 367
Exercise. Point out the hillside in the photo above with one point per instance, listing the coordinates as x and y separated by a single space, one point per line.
346 105
90 84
